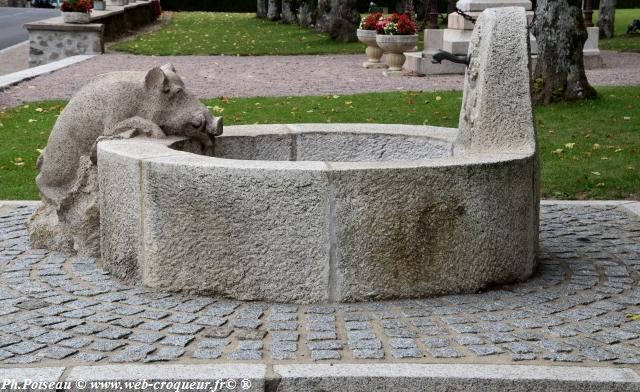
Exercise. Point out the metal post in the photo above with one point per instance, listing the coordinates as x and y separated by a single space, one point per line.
587 13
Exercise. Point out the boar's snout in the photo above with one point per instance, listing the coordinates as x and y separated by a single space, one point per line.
213 124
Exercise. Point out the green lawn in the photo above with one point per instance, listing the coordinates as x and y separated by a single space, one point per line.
589 150
621 41
233 34
214 33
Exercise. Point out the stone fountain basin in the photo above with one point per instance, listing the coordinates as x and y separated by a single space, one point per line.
318 213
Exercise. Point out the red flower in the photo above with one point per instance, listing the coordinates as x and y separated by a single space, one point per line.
405 25
76 6
369 23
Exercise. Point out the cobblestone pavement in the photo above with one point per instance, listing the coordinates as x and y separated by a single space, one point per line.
214 76
57 309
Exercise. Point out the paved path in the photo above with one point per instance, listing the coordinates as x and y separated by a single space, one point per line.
213 76
58 310
12 19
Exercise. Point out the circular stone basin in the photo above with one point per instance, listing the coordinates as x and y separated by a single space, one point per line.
318 213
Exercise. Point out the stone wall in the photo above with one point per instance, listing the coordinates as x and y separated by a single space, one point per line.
52 39
52 45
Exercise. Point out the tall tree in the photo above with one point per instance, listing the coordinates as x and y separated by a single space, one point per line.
560 33
305 13
345 21
339 18
323 15
273 10
261 9
288 11
606 17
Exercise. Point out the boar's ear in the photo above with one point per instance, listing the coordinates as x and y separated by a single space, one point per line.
168 67
155 79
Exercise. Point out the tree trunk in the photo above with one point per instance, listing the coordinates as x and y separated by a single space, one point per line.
305 13
273 12
606 17
345 21
408 7
288 12
261 9
560 32
322 15
339 18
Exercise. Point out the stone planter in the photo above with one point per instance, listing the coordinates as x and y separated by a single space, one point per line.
76 17
395 46
374 53
98 5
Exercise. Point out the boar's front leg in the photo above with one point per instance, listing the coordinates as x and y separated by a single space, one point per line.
135 126
127 129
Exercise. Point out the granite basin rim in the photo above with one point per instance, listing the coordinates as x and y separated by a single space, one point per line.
316 231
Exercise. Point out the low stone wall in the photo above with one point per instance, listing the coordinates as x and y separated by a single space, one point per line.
60 41
52 39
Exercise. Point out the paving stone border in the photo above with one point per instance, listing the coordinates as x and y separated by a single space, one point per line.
63 312
318 377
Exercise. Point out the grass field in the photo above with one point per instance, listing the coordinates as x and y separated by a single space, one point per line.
216 33
235 34
588 150
621 41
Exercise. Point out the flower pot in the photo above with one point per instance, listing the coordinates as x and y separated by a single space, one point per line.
98 5
373 51
395 46
76 17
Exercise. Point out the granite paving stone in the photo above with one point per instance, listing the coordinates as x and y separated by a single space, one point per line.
24 347
207 354
177 340
445 352
56 308
133 353
245 355
319 355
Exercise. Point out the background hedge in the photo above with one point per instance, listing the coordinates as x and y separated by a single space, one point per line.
363 5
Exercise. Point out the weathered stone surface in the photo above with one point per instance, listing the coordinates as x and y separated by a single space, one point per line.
261 212
115 105
499 67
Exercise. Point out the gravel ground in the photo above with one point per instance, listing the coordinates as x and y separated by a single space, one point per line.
213 76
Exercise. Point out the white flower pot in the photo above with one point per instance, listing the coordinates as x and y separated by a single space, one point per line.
373 51
76 17
395 46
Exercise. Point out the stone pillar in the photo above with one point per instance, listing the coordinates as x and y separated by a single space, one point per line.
591 52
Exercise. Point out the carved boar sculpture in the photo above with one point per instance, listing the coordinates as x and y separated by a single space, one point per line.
114 105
